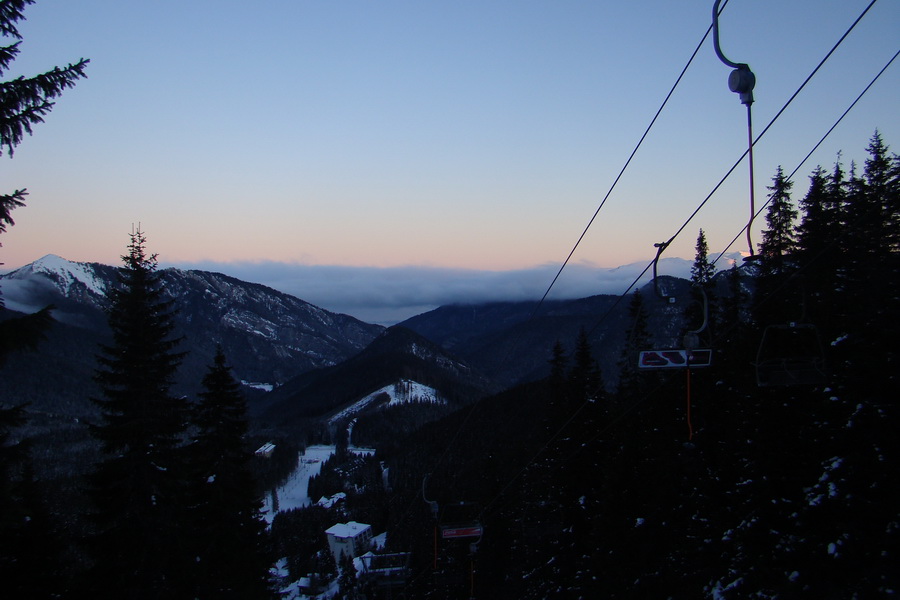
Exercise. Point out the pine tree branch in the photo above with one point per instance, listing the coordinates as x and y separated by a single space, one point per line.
11 12
7 55
24 102
7 203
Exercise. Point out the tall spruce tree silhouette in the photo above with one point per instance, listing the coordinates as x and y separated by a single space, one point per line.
138 489
229 533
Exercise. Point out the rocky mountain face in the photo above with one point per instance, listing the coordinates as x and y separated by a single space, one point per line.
269 337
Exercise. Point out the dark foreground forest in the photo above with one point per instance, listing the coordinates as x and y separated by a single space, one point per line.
719 482
770 473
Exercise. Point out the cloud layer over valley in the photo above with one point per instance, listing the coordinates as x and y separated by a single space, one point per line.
392 294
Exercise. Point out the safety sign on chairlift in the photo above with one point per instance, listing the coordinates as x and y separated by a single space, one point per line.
674 359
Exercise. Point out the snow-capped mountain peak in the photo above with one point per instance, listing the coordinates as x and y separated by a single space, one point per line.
66 273
55 280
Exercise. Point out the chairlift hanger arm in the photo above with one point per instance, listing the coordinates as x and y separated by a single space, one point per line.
660 248
432 503
718 48
702 327
741 80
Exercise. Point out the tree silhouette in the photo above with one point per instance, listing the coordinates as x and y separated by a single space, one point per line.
773 301
138 490
702 271
25 537
633 383
229 538
779 239
703 297
24 101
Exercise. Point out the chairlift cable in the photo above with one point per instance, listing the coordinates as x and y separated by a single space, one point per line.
624 413
625 166
581 237
772 294
746 152
816 147
775 118
634 405
631 407
677 233
602 203
650 393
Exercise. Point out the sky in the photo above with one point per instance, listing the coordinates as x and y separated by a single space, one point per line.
347 149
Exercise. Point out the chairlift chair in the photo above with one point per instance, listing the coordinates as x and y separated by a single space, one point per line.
461 520
790 354
690 354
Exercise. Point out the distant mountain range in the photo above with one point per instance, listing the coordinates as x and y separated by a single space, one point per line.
512 342
269 337
315 362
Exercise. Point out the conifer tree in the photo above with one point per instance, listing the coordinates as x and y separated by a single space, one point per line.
138 489
702 271
880 202
773 301
733 350
702 291
229 541
558 364
349 584
558 392
24 101
813 230
29 558
585 380
26 542
874 212
582 460
818 234
836 193
871 290
778 240
632 383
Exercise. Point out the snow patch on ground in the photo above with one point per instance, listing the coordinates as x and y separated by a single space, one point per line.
266 387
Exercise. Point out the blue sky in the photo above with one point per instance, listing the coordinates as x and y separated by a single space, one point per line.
444 136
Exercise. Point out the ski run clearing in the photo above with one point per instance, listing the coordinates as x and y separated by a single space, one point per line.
402 392
294 493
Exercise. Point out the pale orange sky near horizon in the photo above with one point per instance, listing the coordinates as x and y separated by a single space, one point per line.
469 136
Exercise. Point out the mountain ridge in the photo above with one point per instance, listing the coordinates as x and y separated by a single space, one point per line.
268 336
397 354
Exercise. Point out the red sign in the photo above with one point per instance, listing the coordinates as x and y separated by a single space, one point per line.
461 532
